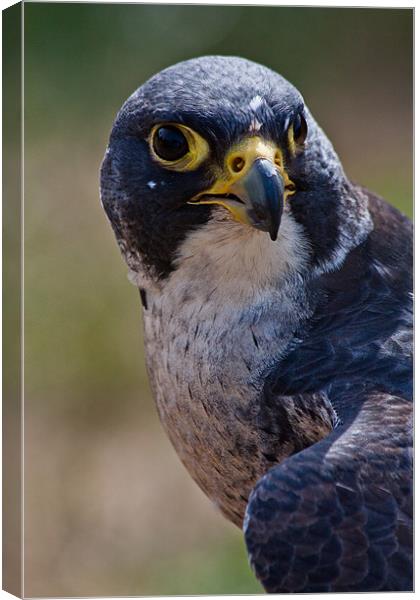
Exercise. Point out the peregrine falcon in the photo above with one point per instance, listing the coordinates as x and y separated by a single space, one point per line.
277 306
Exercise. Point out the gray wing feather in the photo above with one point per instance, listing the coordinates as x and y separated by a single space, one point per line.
338 515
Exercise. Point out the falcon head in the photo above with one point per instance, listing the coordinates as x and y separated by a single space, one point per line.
226 137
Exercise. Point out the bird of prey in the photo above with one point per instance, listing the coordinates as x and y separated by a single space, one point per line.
278 322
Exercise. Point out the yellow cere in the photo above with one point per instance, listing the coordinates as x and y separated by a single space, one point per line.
239 160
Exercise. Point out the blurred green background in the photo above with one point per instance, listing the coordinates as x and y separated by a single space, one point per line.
109 509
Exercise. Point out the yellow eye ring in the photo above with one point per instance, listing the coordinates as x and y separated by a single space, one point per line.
197 149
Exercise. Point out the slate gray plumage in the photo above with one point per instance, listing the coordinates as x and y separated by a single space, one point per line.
281 369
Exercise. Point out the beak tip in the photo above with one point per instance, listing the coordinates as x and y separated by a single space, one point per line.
274 227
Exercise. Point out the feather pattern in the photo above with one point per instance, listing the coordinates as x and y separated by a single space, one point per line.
337 516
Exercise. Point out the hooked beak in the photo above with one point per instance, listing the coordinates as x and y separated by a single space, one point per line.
262 191
253 186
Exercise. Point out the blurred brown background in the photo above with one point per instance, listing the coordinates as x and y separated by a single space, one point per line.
109 509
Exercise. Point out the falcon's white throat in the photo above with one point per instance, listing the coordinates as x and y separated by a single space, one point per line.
238 261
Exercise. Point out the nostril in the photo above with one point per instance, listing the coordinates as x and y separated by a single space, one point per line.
237 163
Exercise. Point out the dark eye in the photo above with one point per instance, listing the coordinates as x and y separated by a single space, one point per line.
300 129
170 143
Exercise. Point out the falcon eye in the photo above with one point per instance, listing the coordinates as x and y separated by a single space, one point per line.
300 129
177 147
170 143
